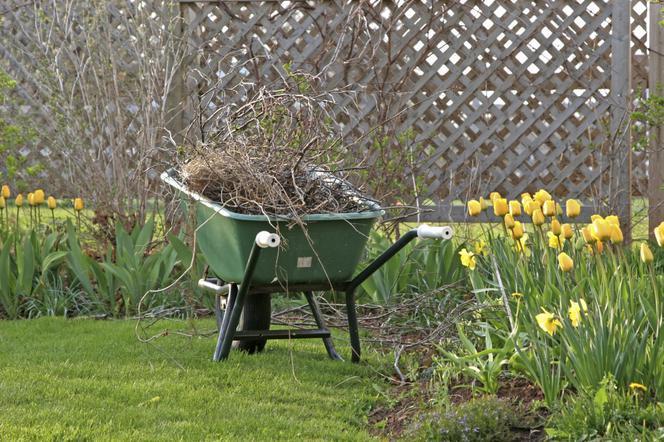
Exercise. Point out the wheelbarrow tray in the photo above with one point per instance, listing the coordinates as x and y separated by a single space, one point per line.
326 254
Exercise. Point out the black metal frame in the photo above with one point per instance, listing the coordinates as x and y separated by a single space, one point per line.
237 297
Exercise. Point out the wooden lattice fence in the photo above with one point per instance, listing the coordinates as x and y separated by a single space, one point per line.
506 95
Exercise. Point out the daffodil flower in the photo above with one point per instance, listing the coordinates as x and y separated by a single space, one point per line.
468 259
548 322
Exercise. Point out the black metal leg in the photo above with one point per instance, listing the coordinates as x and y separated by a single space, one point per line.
227 339
320 322
353 329
223 327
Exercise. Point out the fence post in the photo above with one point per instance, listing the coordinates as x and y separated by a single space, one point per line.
620 149
656 151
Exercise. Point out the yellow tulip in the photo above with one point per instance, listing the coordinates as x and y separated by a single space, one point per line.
600 230
31 199
613 220
556 228
532 206
517 230
19 200
538 217
548 322
483 203
587 236
509 221
565 262
39 197
525 200
646 253
52 203
6 192
659 234
2 202
616 234
549 208
568 233
526 195
474 208
515 208
500 207
78 204
595 217
573 208
467 259
494 195
542 195
559 209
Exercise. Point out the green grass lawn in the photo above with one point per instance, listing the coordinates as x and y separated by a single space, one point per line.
88 380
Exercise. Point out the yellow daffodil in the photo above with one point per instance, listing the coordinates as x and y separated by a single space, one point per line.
78 204
467 259
612 220
565 262
548 322
517 295
6 192
481 248
517 230
646 253
474 208
659 234
39 197
52 203
509 221
574 311
549 208
500 207
616 234
542 195
515 208
555 241
538 217
567 231
493 196
634 386
522 245
556 228
600 230
572 208
19 200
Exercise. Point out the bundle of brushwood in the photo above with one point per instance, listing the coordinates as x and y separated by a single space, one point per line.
277 154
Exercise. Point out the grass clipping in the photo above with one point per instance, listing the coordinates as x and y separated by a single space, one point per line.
276 155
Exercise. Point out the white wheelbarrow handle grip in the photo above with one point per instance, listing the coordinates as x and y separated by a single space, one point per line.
266 239
425 231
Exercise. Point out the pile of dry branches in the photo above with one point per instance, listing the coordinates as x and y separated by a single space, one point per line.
279 153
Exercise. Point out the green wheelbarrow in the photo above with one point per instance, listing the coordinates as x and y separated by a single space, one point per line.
255 256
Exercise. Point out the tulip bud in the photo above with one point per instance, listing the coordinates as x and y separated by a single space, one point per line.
565 262
500 207
515 208
616 234
39 197
567 231
483 203
600 230
531 206
78 204
6 193
559 210
52 203
556 228
474 208
526 195
573 208
509 221
538 217
600 246
517 230
646 253
3 204
542 195
659 234
493 196
19 200
549 208
31 199
595 217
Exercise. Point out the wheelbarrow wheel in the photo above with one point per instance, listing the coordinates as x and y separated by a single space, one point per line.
256 315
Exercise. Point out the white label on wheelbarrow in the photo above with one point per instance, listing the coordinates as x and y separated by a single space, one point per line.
304 262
